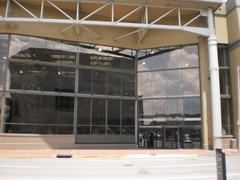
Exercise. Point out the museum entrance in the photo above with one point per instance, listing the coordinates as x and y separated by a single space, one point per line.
169 137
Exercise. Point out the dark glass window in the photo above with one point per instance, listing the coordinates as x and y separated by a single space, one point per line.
2 74
128 64
85 81
41 77
113 112
37 49
226 116
224 81
99 82
3 47
114 83
128 113
98 111
84 105
225 90
192 111
43 111
128 84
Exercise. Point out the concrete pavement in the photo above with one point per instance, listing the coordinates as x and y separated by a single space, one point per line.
110 153
132 167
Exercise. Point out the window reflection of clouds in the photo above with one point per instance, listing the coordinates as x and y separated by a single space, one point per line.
173 73
170 82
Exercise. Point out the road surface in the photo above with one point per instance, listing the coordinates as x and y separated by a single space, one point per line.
133 167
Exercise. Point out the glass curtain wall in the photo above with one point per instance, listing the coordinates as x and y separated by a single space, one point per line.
57 87
225 84
169 107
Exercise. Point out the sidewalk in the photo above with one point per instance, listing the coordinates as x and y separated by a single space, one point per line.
116 153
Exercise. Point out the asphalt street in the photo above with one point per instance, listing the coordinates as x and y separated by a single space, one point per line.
139 167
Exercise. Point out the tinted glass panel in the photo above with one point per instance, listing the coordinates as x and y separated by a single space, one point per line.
191 84
85 81
174 83
128 64
83 130
40 129
99 82
40 77
226 116
84 105
2 74
98 111
3 47
160 82
36 49
33 109
224 81
114 83
190 56
145 84
113 112
128 84
128 113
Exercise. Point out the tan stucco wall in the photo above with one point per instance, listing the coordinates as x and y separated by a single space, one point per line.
235 62
221 29
233 24
25 141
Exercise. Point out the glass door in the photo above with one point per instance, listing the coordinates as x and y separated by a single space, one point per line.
172 138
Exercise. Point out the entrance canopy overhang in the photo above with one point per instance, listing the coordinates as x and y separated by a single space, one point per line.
137 16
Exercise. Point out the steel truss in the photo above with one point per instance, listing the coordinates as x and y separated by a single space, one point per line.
75 22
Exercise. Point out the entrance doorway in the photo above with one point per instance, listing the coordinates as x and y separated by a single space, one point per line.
172 138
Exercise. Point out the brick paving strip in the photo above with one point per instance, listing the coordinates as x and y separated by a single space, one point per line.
106 153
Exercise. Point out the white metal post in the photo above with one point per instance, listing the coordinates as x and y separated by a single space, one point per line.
238 123
215 83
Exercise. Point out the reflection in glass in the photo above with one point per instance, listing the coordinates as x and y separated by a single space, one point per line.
99 82
159 84
224 81
175 109
85 81
174 82
2 74
226 116
113 130
191 82
128 113
37 49
3 46
41 77
84 105
39 129
83 130
41 110
98 130
113 112
145 112
128 84
98 112
114 83
128 64
144 84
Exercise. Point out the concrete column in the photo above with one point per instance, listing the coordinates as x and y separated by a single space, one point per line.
215 83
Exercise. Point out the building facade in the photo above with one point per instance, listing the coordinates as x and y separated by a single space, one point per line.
157 74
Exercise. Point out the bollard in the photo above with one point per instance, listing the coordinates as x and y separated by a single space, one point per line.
221 165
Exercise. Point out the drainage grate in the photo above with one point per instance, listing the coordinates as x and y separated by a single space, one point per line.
64 156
